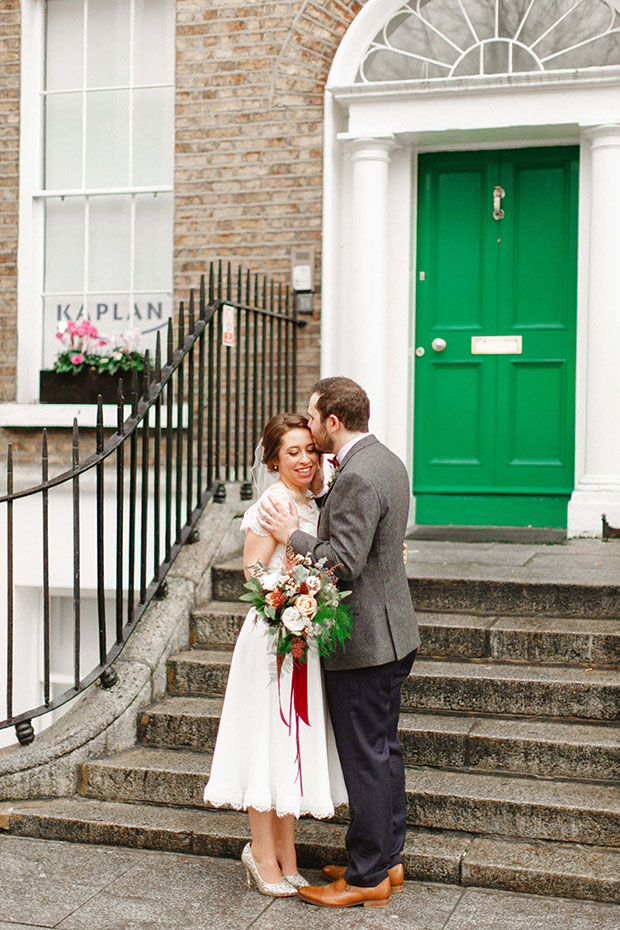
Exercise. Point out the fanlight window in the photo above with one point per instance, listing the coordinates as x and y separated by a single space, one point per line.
428 39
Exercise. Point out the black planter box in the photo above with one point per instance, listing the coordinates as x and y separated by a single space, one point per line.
83 388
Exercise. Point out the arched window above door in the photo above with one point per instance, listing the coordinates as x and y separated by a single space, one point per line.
430 39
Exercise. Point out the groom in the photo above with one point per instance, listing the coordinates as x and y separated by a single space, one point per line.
361 530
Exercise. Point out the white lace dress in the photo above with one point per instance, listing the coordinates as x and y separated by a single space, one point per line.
254 763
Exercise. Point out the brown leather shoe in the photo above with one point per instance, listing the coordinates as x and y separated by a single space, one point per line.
396 875
339 894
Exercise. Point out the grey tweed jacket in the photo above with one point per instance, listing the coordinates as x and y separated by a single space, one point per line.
361 529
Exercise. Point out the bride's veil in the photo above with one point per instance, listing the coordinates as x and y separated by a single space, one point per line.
262 478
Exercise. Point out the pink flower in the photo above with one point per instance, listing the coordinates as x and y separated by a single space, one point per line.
59 335
103 342
77 359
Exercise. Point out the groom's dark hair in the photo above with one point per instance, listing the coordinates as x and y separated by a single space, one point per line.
346 400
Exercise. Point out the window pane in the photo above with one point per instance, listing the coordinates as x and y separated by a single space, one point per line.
58 310
110 314
153 258
589 19
151 313
153 136
107 139
154 42
109 242
65 21
108 43
63 141
64 245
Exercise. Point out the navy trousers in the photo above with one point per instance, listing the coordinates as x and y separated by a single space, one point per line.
364 704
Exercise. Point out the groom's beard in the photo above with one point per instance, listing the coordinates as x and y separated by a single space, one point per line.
322 440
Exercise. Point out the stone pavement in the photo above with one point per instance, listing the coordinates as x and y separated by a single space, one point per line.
577 561
44 883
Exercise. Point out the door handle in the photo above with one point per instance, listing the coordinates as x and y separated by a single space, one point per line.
439 344
498 194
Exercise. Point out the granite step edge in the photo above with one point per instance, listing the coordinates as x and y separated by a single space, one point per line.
529 867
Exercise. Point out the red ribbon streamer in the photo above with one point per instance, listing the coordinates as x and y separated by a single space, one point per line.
298 705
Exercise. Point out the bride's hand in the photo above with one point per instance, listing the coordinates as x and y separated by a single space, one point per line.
279 521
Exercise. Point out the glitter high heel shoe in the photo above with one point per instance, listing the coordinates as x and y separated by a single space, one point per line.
297 880
274 889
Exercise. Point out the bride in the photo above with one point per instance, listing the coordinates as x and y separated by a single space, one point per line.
255 765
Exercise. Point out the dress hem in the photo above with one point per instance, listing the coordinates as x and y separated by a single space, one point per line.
300 812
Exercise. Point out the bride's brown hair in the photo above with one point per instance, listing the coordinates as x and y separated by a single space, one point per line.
275 431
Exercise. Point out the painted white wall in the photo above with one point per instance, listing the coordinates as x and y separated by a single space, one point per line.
28 599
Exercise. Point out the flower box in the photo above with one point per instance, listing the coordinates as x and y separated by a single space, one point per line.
84 386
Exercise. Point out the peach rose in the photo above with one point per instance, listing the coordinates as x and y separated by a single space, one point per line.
306 605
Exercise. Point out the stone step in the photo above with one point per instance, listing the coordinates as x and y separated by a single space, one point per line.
550 640
462 687
528 747
579 812
530 867
489 595
567 870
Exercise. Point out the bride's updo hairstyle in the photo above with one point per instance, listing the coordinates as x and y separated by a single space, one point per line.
275 431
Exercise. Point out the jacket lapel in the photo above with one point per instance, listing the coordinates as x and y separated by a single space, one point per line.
362 444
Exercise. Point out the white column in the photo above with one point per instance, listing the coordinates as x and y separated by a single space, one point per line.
597 487
367 310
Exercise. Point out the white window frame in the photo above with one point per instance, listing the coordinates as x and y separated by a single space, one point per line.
32 197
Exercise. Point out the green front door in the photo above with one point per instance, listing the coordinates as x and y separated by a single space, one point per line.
494 417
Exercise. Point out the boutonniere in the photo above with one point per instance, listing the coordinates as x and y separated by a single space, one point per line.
336 470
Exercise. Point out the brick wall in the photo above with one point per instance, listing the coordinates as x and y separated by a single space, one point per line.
9 146
249 148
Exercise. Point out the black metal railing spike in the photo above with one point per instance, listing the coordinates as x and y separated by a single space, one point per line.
100 534
158 357
169 343
146 375
237 404
207 414
144 483
181 325
157 464
288 333
77 625
279 351
189 456
46 573
120 517
120 412
191 314
202 303
134 391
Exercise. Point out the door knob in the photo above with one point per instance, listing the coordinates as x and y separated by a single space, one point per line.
439 344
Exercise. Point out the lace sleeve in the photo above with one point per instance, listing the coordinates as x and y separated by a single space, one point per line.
250 521
250 518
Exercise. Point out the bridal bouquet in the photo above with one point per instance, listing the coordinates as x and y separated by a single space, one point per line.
300 604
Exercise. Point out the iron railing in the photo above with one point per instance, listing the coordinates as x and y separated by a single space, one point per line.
194 423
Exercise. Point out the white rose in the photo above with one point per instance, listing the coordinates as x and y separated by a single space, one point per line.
293 621
313 583
269 581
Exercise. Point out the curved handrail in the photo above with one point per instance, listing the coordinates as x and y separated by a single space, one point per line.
216 391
